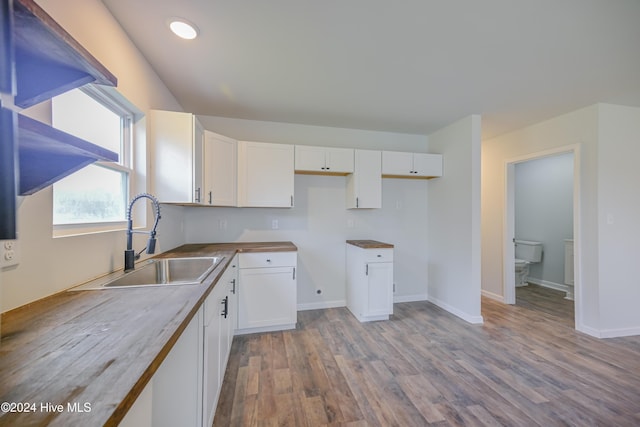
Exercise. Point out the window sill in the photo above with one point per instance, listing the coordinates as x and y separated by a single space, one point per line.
71 230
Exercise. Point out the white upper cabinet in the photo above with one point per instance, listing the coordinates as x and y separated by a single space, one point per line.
176 160
428 165
323 160
265 174
220 170
396 164
364 186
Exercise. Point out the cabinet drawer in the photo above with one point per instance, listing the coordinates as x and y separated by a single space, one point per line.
267 259
378 255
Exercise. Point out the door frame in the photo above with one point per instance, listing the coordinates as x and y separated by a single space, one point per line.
508 275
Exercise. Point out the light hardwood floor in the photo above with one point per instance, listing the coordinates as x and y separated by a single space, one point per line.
523 367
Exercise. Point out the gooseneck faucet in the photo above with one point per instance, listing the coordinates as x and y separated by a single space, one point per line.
130 255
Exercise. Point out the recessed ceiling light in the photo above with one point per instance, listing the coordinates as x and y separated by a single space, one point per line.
183 28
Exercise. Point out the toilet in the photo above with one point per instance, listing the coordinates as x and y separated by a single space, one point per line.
527 252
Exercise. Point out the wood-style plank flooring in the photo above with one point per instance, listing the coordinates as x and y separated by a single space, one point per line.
548 301
525 366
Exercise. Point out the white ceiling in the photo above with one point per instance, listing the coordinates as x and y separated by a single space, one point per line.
410 66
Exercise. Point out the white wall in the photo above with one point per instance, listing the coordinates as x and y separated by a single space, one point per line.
319 222
289 133
454 221
619 218
607 228
544 212
579 127
49 265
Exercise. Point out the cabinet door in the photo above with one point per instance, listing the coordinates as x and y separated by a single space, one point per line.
265 174
226 331
197 160
380 289
397 163
427 164
364 186
212 358
220 167
267 297
176 162
177 384
339 160
309 159
233 296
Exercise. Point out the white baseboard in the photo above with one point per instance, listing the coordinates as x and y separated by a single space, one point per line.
609 333
410 298
264 329
493 296
342 303
547 284
587 330
321 305
476 320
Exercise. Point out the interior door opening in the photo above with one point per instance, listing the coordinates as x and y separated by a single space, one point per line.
509 275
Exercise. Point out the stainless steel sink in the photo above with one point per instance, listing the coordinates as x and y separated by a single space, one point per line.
158 272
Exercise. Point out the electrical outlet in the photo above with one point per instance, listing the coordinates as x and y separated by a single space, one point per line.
10 253
274 224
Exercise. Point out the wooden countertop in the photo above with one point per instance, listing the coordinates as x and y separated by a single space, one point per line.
369 244
196 249
99 347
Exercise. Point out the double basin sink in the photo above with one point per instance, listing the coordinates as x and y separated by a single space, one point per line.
158 272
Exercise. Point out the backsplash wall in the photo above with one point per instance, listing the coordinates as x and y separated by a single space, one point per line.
319 225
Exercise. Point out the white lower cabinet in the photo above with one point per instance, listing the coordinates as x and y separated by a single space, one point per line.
184 390
218 335
370 283
267 296
141 412
177 384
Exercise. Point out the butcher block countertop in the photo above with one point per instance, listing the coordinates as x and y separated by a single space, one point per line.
82 358
369 244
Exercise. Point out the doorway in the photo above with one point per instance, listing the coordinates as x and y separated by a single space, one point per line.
509 276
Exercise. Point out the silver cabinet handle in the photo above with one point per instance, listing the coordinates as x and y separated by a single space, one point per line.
294 273
210 197
366 270
198 194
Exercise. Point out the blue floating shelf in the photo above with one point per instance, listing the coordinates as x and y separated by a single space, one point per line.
39 60
47 155
48 60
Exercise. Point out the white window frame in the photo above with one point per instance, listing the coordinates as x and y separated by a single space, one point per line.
111 99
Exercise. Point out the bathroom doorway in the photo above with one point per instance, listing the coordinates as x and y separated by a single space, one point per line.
531 224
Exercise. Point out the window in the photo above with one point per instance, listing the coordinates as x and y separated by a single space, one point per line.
94 197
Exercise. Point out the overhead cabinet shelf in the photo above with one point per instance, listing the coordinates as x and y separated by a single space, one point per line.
48 155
